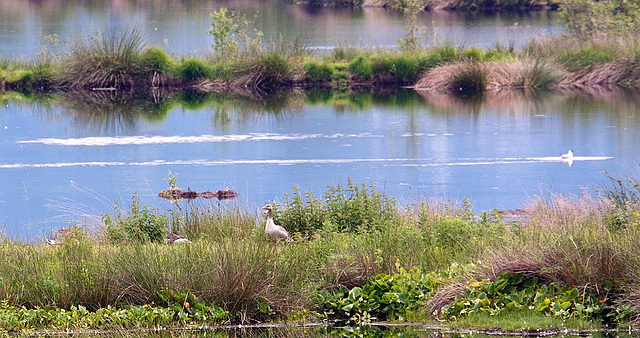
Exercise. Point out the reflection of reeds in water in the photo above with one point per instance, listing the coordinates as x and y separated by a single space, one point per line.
102 110
619 103
112 110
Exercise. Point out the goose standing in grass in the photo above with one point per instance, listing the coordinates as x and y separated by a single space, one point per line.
174 238
272 230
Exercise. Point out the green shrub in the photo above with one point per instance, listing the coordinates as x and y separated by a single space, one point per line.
349 209
154 59
382 64
138 225
272 70
318 72
228 29
407 68
304 215
193 69
360 66
473 53
587 18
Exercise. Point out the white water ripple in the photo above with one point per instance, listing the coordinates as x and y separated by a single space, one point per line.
424 162
147 140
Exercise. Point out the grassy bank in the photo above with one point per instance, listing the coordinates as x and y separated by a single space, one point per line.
355 255
113 64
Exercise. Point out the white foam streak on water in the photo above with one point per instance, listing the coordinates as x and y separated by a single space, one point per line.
147 140
388 161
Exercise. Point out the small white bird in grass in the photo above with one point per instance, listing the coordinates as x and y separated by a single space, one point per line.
568 155
272 230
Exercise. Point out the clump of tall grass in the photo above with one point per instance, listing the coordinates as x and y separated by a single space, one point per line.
523 73
193 69
461 78
318 72
104 60
623 73
268 67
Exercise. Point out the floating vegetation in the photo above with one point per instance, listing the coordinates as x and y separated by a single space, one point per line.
176 194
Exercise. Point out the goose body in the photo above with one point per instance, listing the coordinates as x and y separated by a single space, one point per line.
273 230
174 238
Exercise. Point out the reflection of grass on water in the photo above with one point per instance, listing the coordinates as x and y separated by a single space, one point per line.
121 110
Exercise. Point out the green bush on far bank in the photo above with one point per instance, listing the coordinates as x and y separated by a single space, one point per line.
193 69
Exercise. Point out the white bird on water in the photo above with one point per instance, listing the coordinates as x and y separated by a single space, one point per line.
272 230
568 155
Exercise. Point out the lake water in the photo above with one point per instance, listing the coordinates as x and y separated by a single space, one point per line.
64 160
181 26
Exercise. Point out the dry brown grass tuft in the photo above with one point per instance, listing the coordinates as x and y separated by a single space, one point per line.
522 73
465 77
624 72
447 294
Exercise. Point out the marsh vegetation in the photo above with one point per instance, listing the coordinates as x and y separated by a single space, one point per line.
356 255
596 53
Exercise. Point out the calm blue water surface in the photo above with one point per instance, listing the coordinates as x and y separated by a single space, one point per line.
181 26
60 165
63 160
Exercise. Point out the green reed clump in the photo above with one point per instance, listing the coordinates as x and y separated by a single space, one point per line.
154 60
318 72
403 68
360 67
212 223
104 60
437 56
345 54
193 69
